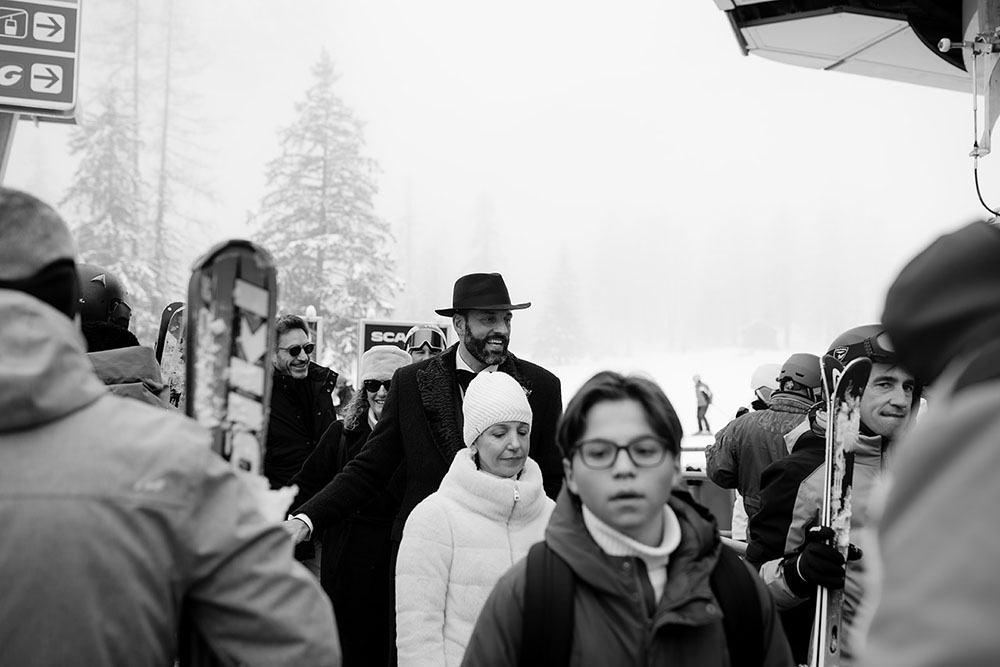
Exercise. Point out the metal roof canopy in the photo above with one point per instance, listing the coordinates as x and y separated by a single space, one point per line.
844 38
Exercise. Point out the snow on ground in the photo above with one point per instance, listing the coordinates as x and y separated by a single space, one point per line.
726 371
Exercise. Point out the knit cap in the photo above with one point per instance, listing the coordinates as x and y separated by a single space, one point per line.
493 398
381 361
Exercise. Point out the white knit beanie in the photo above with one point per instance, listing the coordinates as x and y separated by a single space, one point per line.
379 362
493 398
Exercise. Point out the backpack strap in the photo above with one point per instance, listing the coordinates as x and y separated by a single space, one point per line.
742 618
547 630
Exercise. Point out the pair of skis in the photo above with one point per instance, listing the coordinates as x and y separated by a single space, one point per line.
230 316
843 387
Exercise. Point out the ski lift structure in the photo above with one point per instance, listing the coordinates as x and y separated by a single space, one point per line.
948 45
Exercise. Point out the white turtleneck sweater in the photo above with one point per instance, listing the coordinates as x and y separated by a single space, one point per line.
456 544
656 558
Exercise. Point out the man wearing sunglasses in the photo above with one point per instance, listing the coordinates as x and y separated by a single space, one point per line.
116 513
301 402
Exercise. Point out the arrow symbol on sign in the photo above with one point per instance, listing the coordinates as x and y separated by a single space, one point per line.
53 26
52 78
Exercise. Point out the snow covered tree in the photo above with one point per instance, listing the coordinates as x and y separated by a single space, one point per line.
107 207
318 220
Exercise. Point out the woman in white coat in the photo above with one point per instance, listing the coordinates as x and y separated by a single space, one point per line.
488 511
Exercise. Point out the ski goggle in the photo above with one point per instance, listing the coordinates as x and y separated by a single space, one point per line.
119 313
422 337
878 348
373 385
296 350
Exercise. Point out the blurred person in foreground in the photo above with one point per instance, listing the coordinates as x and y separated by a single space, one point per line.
791 550
643 558
356 569
489 510
116 513
424 341
750 443
938 535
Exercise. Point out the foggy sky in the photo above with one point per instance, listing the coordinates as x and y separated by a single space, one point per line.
623 166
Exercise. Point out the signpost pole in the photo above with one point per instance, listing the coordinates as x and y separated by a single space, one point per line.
8 122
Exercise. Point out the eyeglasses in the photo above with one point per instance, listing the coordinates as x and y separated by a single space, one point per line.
645 452
422 337
373 385
296 350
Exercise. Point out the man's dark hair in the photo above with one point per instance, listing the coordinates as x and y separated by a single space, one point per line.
612 386
288 322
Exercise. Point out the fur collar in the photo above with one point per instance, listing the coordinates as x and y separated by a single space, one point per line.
440 396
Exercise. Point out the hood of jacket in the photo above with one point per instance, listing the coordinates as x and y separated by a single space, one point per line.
44 371
500 499
690 564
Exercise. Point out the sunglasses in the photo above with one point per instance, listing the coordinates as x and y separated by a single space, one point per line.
296 350
373 385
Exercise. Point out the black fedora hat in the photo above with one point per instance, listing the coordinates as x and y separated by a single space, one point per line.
480 291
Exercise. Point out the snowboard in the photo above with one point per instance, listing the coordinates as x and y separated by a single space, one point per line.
231 312
843 387
172 364
164 323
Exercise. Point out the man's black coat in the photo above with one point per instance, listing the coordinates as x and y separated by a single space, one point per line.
421 426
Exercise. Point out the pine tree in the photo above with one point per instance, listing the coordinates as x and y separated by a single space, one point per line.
318 219
107 223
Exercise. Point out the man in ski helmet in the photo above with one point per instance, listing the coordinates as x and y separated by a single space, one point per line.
126 367
940 593
787 545
763 383
103 297
115 512
750 443
424 341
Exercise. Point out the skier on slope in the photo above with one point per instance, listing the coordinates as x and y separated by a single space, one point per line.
791 558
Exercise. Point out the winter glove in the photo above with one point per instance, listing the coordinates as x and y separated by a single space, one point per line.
818 564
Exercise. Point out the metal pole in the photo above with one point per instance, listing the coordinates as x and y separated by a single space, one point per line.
8 122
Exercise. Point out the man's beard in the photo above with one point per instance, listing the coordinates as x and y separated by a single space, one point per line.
477 348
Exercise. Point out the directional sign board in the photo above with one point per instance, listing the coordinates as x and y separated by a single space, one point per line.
39 45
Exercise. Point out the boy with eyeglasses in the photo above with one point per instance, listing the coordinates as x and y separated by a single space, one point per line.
642 556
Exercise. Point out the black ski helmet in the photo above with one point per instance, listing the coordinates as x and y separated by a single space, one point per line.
803 368
868 340
103 297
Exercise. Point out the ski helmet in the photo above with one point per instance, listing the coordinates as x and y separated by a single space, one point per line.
425 334
103 297
764 381
803 368
869 340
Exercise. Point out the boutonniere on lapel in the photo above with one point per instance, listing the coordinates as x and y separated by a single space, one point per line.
527 389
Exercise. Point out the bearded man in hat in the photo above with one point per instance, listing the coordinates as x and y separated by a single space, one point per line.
421 423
